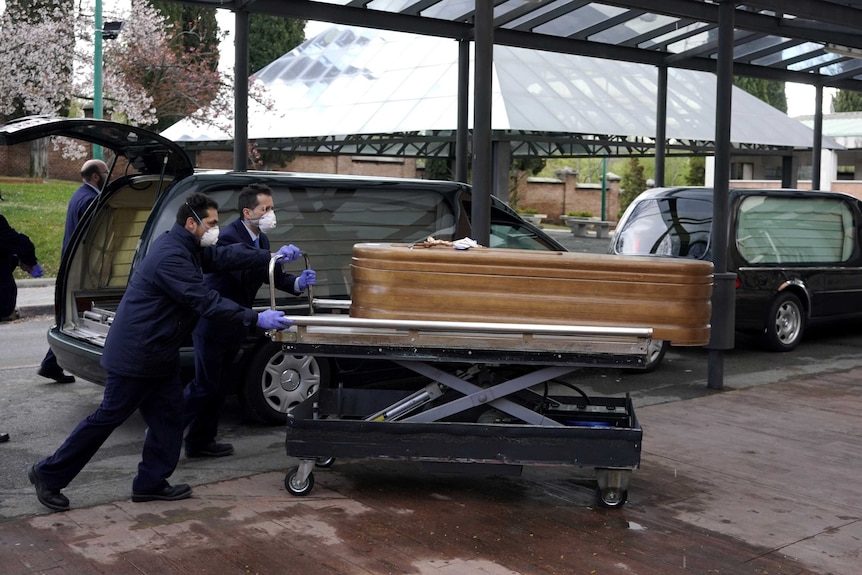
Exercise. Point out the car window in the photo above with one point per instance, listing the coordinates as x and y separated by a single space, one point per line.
514 236
774 230
671 226
326 222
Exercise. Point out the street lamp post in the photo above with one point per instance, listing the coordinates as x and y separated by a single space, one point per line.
106 31
97 72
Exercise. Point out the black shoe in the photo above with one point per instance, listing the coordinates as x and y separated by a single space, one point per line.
50 498
213 449
57 375
166 493
4 437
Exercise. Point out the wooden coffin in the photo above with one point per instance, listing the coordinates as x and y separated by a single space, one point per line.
397 281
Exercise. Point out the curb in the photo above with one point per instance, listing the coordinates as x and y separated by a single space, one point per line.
35 282
26 311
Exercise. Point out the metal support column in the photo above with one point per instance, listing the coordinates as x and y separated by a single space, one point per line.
723 302
482 89
462 142
817 146
660 126
97 73
240 128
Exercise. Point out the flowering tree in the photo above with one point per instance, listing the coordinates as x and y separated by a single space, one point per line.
29 40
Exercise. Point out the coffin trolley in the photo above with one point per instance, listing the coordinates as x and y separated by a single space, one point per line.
466 415
486 397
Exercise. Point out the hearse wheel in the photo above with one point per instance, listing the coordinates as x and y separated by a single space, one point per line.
785 322
277 381
655 354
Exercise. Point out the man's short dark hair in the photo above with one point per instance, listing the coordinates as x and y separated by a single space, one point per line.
197 202
248 196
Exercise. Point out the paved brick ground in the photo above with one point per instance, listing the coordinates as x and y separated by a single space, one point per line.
757 481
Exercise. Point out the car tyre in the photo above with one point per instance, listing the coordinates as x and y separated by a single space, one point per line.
655 354
785 323
277 381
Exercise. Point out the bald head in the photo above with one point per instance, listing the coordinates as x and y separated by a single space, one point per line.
94 172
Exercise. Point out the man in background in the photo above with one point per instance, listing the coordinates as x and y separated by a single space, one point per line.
16 250
94 174
215 344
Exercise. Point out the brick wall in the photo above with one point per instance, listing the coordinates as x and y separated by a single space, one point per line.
353 165
559 196
15 163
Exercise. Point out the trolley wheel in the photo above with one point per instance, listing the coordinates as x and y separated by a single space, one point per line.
612 497
324 462
296 487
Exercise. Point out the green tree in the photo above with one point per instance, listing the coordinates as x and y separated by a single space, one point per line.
438 169
196 30
632 184
696 175
847 101
271 37
519 169
770 91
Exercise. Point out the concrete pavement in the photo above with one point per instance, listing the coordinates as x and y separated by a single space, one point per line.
757 480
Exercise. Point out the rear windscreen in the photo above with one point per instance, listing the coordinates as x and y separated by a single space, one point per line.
678 227
326 222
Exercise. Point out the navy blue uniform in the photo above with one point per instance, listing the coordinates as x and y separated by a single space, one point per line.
217 344
15 248
159 310
78 204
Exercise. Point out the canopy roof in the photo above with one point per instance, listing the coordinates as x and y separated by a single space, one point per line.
804 41
351 82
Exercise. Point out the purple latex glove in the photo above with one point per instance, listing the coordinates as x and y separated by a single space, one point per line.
305 279
273 319
289 253
35 271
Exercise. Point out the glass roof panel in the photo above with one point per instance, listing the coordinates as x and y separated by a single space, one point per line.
634 27
450 9
577 20
539 11
693 42
788 54
669 36
823 61
843 67
384 5
742 50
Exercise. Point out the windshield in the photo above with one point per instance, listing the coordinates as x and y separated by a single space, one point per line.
674 226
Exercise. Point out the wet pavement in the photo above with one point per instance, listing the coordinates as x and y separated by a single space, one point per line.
760 480
754 481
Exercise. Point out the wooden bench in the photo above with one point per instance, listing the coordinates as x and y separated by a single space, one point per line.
580 226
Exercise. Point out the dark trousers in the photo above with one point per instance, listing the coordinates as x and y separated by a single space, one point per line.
160 403
8 290
49 362
203 397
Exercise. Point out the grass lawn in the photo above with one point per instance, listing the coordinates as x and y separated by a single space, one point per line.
38 210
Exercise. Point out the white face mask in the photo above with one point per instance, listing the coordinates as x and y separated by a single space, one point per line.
209 238
267 221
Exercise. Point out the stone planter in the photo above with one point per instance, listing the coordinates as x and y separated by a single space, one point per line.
535 219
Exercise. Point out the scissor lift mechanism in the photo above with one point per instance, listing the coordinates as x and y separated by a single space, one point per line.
456 419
